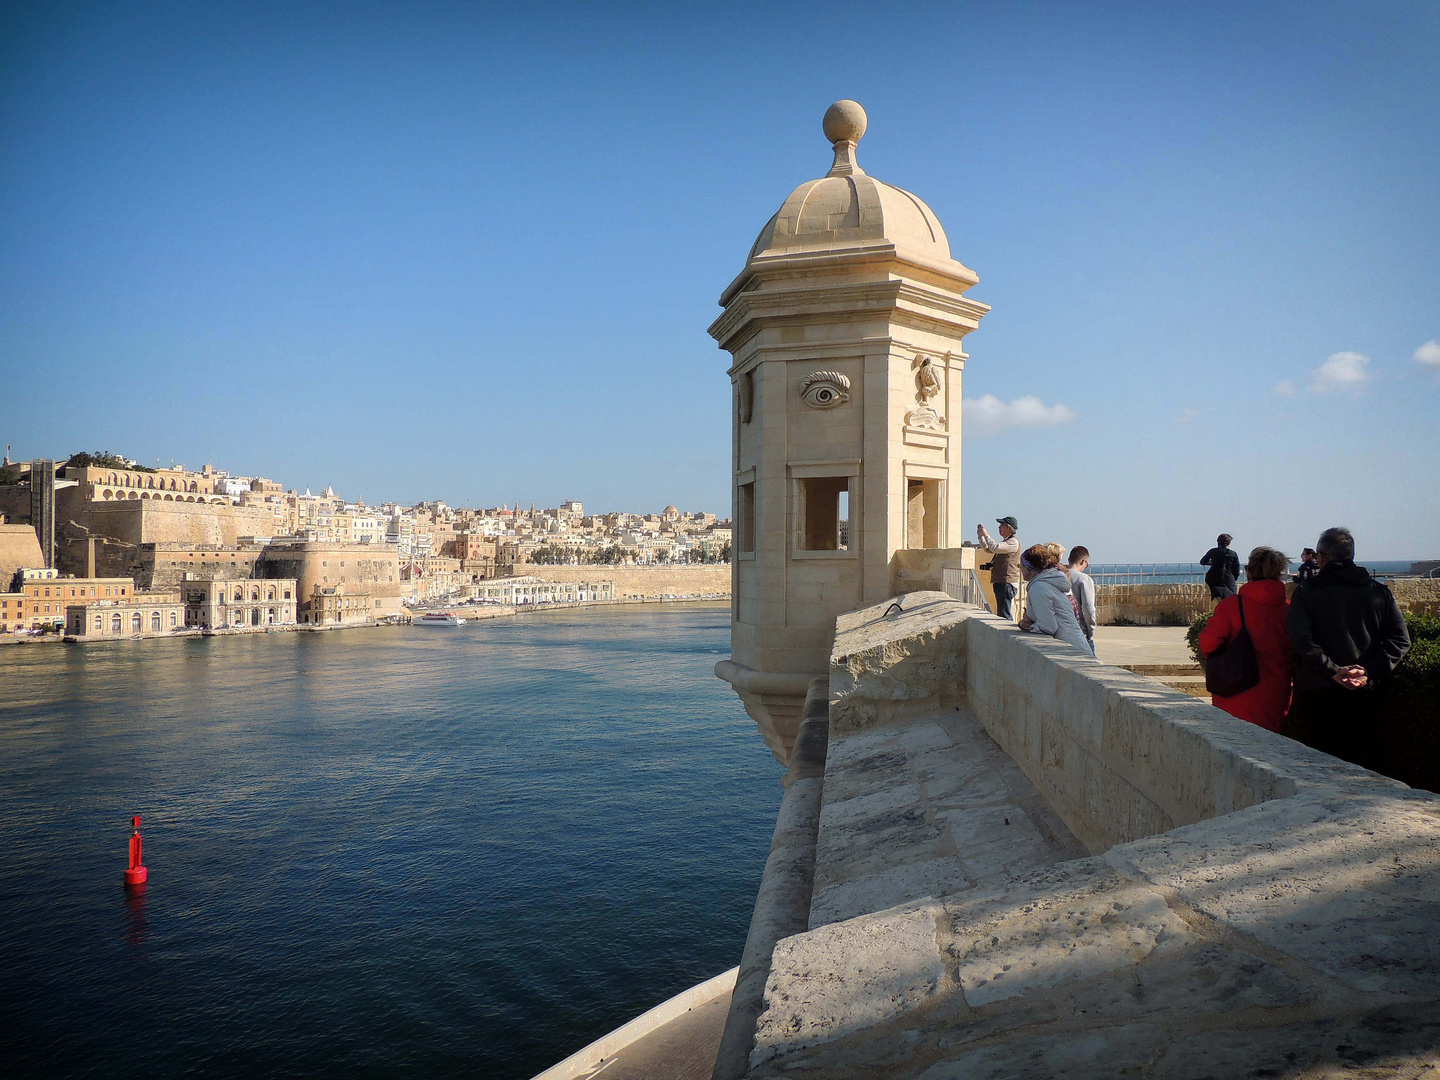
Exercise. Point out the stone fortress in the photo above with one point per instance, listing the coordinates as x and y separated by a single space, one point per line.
997 857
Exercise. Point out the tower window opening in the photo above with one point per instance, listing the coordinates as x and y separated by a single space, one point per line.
745 519
822 513
922 514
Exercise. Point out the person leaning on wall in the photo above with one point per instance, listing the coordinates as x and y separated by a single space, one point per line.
1348 634
1082 588
1224 564
1262 598
1048 606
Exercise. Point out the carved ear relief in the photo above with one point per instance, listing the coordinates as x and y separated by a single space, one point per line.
825 389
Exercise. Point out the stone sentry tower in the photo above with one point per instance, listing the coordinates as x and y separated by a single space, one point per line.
846 328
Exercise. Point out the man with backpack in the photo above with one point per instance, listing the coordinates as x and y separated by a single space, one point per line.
1223 577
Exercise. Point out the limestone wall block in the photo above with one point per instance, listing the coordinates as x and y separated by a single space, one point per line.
846 978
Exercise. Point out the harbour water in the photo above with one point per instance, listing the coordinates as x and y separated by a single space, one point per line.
457 852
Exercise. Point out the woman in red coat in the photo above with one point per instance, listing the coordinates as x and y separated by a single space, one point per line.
1265 606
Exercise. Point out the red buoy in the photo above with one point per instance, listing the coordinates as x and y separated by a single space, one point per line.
136 873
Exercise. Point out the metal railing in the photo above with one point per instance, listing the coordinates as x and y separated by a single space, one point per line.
1148 574
963 584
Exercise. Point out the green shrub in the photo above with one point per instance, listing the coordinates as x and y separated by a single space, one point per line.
1192 637
1423 627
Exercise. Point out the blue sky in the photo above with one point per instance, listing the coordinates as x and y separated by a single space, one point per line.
454 251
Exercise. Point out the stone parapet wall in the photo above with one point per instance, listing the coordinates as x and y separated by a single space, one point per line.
1417 596
1250 907
1151 605
1118 757
1181 604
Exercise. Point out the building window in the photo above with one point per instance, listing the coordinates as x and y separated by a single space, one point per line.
99 622
822 513
174 620
922 513
115 623
745 517
137 623
155 620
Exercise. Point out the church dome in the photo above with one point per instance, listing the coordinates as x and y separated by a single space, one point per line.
847 208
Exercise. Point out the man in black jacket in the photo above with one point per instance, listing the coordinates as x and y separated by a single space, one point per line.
1223 577
1348 633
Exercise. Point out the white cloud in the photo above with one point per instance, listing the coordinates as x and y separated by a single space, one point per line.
1285 388
1186 415
1344 369
988 414
1429 354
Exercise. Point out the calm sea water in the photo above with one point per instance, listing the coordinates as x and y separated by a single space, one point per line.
420 852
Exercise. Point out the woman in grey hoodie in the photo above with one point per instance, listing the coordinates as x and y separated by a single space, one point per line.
1048 609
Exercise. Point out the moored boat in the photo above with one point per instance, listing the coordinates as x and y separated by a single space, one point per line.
438 618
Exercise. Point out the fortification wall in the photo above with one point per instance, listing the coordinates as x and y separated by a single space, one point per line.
372 568
633 582
150 522
19 548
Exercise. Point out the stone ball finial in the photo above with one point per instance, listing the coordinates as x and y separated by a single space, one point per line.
845 121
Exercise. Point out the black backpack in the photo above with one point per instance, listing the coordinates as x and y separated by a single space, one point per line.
1232 668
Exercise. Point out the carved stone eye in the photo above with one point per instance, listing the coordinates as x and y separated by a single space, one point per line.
825 389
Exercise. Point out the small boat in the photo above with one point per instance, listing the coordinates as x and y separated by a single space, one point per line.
439 618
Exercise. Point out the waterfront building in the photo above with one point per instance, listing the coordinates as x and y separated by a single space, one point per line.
530 589
220 602
334 605
140 614
39 597
845 328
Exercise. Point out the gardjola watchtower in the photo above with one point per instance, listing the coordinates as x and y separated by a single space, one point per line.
845 327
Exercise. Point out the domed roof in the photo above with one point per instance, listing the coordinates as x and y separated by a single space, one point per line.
847 208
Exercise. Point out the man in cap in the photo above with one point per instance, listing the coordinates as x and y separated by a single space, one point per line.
1005 564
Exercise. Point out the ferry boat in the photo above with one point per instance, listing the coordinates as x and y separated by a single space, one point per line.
439 618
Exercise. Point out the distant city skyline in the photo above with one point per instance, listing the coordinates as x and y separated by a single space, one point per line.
429 252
